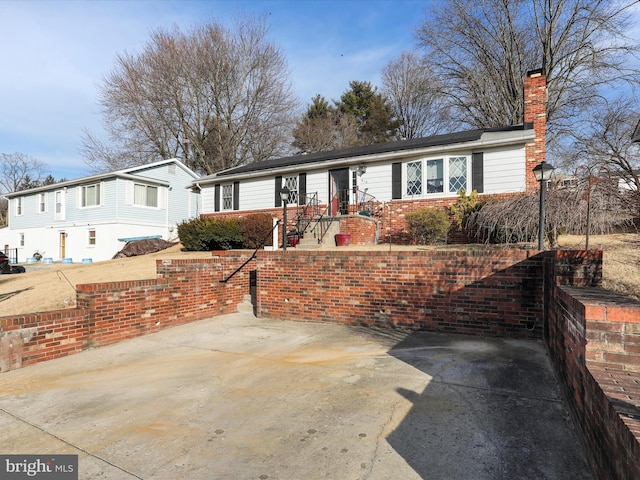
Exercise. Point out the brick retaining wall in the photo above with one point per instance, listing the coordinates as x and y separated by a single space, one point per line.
489 293
593 337
184 291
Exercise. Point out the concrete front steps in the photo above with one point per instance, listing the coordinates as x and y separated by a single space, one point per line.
310 239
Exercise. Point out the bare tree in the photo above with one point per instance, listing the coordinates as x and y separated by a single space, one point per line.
606 143
19 171
217 97
415 95
481 52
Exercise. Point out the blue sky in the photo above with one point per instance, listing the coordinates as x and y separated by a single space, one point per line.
54 54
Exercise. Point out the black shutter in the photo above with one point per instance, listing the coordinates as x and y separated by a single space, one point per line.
216 199
302 189
477 172
236 195
278 188
396 180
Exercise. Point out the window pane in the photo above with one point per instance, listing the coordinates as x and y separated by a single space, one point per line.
457 174
292 184
90 195
227 197
435 182
414 178
139 194
152 196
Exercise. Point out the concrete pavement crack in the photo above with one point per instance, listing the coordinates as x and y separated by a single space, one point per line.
67 442
381 431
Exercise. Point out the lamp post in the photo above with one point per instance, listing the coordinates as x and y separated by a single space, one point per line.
284 196
542 172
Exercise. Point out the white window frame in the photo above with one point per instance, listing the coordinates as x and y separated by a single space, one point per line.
21 239
19 207
92 237
446 176
59 204
291 182
415 185
42 202
83 200
145 201
226 196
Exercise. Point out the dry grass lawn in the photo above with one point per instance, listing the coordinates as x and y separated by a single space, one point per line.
53 286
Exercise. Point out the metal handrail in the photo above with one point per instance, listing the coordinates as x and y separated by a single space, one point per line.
310 209
255 252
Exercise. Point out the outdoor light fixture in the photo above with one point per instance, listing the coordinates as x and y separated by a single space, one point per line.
542 172
284 196
361 170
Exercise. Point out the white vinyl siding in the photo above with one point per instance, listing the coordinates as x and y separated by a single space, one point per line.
504 170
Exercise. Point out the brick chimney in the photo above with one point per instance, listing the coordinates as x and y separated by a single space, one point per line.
535 111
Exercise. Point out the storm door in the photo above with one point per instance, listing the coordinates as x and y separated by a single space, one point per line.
339 191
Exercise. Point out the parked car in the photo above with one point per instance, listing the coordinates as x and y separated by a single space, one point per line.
6 267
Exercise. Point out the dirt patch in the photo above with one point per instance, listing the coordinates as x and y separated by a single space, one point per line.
52 286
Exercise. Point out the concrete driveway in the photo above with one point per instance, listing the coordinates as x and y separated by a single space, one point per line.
236 397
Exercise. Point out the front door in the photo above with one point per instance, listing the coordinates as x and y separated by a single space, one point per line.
339 191
63 250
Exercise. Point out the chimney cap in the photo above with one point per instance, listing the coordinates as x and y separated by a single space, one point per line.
534 73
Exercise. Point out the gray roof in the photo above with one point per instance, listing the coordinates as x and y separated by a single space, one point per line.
306 158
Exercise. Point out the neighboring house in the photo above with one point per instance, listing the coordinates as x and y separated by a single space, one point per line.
380 183
93 217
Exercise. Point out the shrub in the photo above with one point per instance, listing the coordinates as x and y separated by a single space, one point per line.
464 207
428 225
205 233
256 229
